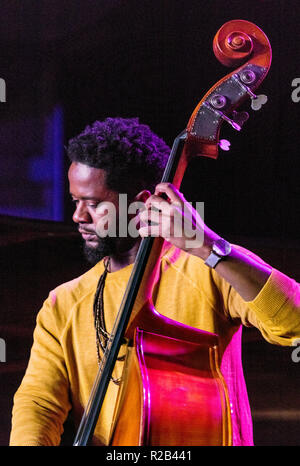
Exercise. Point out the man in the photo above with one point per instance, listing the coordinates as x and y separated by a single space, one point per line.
212 285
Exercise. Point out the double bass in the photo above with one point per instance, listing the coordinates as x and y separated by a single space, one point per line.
172 390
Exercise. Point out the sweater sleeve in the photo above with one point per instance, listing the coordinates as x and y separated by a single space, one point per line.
41 403
275 311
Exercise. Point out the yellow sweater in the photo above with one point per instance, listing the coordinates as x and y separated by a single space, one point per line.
63 361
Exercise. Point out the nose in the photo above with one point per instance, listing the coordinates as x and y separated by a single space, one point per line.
81 214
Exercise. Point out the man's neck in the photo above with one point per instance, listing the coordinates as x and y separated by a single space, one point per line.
122 259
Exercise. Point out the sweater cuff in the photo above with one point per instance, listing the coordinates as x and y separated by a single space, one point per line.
275 293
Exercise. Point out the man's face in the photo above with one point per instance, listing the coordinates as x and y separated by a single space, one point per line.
88 189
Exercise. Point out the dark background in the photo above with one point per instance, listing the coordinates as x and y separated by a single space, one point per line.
69 63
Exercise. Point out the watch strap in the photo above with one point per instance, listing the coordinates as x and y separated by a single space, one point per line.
213 259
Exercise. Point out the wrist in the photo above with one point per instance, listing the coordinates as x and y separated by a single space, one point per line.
214 251
205 249
202 252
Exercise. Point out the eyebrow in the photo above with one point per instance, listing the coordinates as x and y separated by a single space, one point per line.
86 198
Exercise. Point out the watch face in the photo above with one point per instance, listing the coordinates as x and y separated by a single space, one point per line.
221 247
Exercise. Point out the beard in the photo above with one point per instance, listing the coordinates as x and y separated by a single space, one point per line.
105 247
108 246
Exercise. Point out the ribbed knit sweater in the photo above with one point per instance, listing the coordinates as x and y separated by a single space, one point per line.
63 362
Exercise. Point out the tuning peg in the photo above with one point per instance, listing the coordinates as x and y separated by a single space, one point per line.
258 101
240 117
246 78
224 144
232 122
212 106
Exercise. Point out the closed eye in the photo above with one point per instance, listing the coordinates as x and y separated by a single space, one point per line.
91 204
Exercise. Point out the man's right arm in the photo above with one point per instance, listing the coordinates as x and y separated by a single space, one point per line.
41 403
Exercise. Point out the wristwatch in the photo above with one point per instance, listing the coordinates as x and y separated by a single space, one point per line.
220 249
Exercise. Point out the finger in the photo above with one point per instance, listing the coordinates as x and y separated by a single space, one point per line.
149 230
158 203
169 189
152 216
